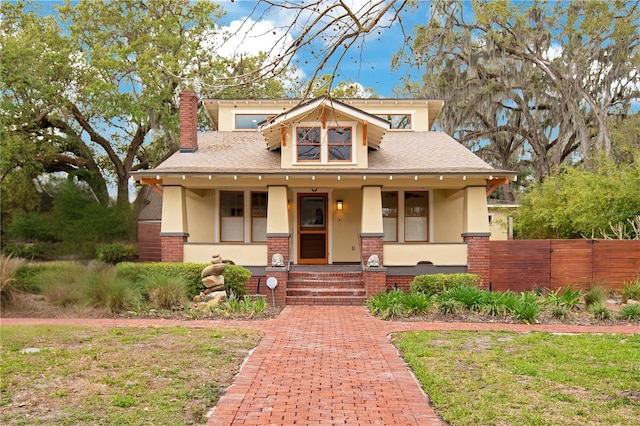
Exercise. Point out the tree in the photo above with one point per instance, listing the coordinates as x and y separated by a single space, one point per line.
91 91
575 203
328 32
546 75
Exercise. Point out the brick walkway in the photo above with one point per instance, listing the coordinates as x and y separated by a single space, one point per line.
325 365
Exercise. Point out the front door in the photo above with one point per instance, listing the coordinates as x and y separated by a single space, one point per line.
312 228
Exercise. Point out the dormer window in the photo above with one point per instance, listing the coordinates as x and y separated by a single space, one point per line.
250 121
308 142
340 142
398 121
328 145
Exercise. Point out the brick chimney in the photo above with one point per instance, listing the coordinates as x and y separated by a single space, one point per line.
188 121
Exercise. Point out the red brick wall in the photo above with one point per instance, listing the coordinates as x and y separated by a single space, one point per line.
278 245
371 245
375 282
403 282
188 120
478 257
280 291
252 286
149 244
172 248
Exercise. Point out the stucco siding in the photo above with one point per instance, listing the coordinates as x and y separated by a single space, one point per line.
453 254
240 254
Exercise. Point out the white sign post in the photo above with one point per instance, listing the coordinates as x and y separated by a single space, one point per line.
272 283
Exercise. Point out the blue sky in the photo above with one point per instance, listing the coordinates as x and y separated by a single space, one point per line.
371 66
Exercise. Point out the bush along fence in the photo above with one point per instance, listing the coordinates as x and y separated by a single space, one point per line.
523 265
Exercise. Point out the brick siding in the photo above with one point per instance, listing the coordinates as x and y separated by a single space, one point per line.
478 257
173 248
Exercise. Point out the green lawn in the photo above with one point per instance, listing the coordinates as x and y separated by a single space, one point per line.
123 376
504 378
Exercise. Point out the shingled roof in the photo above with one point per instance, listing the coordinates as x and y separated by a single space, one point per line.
400 152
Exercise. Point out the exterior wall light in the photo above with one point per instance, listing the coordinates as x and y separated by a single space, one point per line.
339 205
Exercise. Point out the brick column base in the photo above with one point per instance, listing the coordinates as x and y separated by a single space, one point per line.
375 281
369 245
478 256
172 247
280 292
278 244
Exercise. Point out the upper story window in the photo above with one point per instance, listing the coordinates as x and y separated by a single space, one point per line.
339 143
398 121
250 121
315 144
308 143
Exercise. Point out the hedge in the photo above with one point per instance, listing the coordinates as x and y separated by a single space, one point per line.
235 277
438 283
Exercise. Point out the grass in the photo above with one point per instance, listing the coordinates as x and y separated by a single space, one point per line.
509 378
125 376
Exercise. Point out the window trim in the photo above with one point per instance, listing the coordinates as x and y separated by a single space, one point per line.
222 217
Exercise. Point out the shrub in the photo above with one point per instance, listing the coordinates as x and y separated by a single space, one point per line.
630 312
447 305
594 295
497 303
247 305
526 308
235 277
416 303
565 296
102 287
61 283
438 283
600 311
117 252
559 311
631 291
8 283
469 297
165 291
387 305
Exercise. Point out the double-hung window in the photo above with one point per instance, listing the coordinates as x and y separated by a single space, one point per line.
407 211
390 215
259 216
231 216
416 215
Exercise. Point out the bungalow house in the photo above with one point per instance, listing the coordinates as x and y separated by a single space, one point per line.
354 195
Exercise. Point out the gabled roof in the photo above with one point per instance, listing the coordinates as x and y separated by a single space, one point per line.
376 127
400 152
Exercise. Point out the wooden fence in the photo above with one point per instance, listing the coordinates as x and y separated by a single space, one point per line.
522 265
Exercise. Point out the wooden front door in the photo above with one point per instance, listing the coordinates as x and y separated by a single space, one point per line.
312 229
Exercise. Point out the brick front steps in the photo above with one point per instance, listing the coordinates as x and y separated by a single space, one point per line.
325 288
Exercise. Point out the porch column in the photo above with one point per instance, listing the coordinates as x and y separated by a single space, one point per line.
278 239
475 232
371 240
173 230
